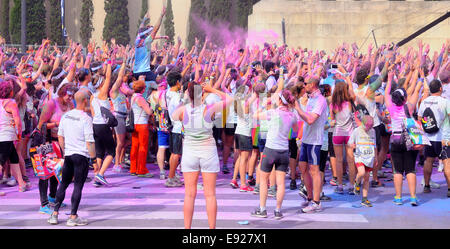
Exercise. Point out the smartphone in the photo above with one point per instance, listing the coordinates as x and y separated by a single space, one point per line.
334 66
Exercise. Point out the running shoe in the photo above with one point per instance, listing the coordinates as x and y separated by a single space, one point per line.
4 181
133 174
432 184
357 189
339 190
414 201
387 164
398 201
278 215
23 188
118 169
313 207
52 202
172 183
225 169
293 185
76 222
272 192
162 175
366 203
260 214
376 184
351 191
97 184
101 179
148 175
305 204
234 184
53 220
11 182
256 190
333 181
45 210
381 174
251 181
26 179
426 189
246 189
178 180
303 193
323 197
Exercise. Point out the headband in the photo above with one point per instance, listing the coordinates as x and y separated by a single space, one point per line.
57 77
94 69
283 99
146 32
400 91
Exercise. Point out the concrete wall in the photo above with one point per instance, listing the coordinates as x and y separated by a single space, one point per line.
325 24
73 9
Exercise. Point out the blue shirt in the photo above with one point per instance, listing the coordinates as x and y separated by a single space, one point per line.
142 56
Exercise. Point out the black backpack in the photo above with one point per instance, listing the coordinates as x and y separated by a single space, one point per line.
109 118
429 122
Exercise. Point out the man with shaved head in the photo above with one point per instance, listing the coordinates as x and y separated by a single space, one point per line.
76 138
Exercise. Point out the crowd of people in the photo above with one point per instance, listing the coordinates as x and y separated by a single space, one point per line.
270 112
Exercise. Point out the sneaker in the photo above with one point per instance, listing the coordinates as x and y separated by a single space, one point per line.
251 181
339 190
387 164
333 181
53 220
148 175
303 193
225 169
323 197
76 222
11 182
313 207
23 188
398 201
45 210
162 175
351 191
426 189
278 215
97 184
376 184
345 177
178 180
52 202
118 169
305 204
101 179
381 174
272 192
293 185
366 203
432 184
26 179
260 214
246 189
357 189
414 201
172 183
133 174
4 181
234 184
256 190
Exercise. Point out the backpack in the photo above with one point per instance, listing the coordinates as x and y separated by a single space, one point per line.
162 116
429 123
107 115
129 121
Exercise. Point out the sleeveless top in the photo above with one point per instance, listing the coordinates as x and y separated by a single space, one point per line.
344 123
140 116
197 131
7 124
96 104
120 104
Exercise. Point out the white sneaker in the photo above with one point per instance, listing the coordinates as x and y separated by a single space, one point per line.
11 182
305 204
3 180
118 169
313 207
432 184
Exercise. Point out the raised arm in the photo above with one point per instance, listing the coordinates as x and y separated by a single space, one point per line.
116 86
158 24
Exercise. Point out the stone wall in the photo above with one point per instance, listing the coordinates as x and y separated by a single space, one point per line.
325 24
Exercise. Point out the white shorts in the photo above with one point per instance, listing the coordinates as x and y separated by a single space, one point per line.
207 161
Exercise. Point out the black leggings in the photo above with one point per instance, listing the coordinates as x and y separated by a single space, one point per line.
43 187
77 167
404 161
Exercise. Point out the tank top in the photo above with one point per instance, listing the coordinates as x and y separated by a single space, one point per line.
96 104
120 104
140 116
397 116
7 124
344 124
197 131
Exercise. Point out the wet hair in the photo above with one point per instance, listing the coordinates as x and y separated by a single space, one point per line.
139 86
173 77
340 96
435 86
399 97
5 89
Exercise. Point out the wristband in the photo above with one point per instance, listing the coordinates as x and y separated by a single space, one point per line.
109 62
89 55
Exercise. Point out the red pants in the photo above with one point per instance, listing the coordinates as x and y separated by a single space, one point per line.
139 150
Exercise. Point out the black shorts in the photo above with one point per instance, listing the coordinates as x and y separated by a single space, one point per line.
279 158
104 141
261 144
230 129
149 76
404 161
435 150
293 148
383 132
176 143
378 130
323 160
330 145
243 143
8 153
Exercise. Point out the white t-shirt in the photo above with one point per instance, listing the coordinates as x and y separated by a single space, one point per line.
313 134
174 99
440 107
270 83
76 128
280 123
365 146
446 91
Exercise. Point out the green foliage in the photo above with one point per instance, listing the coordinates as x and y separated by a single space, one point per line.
87 13
169 26
35 21
199 10
117 21
55 25
244 8
14 22
4 19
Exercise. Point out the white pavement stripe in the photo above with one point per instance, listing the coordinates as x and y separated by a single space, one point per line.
89 227
178 215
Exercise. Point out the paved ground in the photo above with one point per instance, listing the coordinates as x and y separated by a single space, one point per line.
131 202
